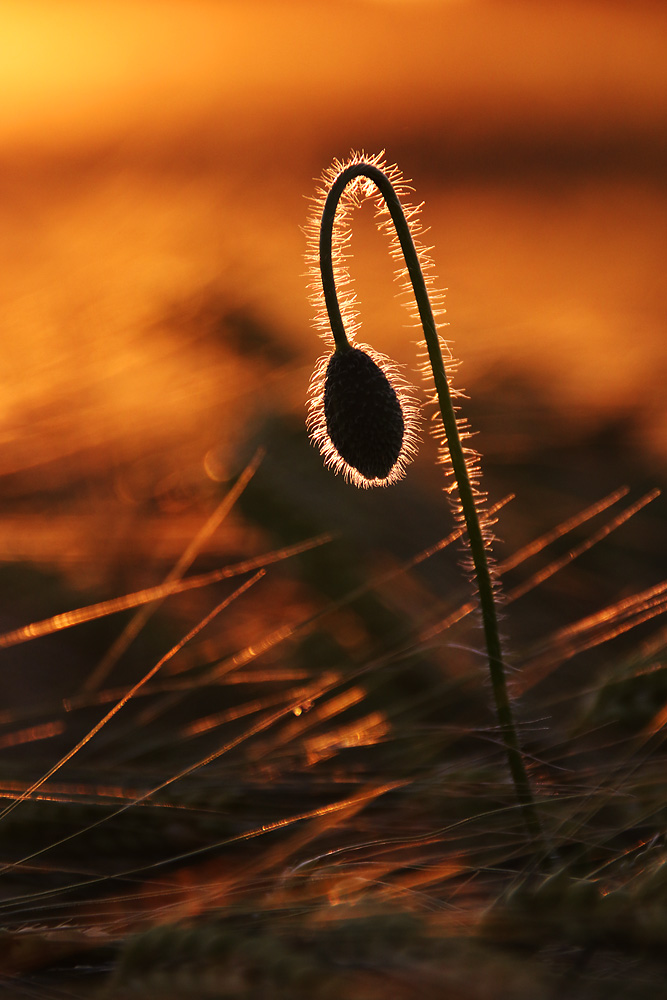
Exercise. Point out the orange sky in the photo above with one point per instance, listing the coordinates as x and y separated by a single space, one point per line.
80 70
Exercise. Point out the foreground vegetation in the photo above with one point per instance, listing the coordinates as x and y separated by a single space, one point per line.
310 796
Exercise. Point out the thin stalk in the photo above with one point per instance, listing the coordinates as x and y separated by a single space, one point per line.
475 537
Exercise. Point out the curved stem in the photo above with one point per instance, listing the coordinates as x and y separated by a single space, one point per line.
459 465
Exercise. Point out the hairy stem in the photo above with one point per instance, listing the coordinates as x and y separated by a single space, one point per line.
459 465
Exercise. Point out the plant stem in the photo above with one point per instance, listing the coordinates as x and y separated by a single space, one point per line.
466 495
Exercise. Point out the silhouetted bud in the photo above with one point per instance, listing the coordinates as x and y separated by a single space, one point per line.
362 417
362 412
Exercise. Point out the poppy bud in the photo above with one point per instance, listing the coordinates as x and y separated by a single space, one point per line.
362 412
362 417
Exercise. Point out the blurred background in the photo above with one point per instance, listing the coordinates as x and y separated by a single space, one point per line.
155 165
156 160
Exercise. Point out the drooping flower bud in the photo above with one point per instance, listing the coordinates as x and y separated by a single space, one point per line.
362 412
362 417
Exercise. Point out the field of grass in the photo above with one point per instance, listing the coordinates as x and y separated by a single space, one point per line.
310 797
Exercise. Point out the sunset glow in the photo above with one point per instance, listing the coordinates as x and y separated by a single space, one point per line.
245 707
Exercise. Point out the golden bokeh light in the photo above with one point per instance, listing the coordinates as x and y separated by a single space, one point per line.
152 300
